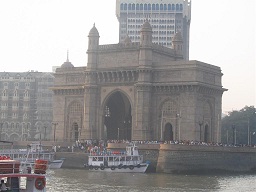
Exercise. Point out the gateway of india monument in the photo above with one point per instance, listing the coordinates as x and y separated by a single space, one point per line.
137 91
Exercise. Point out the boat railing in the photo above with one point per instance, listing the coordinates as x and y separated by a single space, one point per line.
106 153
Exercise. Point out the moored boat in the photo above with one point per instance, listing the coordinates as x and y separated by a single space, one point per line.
117 161
31 153
15 179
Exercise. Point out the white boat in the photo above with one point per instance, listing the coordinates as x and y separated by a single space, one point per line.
117 161
16 180
31 153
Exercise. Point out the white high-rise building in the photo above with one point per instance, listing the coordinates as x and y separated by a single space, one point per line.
166 17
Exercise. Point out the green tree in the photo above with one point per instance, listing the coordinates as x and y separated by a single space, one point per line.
236 124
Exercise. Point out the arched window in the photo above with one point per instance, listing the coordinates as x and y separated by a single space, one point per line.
157 6
177 7
125 6
153 7
181 7
173 7
161 7
145 7
133 6
141 6
122 6
149 6
165 7
169 7
129 6
137 6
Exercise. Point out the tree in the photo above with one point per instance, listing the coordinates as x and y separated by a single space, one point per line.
236 124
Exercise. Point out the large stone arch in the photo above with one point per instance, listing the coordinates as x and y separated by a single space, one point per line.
74 121
117 116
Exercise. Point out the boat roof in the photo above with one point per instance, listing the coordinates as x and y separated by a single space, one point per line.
31 175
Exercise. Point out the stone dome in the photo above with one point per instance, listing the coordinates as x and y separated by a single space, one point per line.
67 64
94 31
146 26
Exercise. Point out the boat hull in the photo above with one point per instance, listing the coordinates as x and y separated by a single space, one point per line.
125 169
56 164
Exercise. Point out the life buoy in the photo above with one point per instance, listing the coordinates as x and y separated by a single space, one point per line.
131 167
40 183
96 167
113 168
102 167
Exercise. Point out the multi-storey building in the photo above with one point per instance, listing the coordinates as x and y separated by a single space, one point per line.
166 17
26 105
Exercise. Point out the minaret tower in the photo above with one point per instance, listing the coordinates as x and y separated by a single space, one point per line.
177 43
142 130
90 87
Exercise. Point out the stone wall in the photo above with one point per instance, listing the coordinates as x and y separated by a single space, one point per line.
180 158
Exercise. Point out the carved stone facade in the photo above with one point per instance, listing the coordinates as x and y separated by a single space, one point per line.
137 91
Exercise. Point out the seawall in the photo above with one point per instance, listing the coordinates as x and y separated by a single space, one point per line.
197 158
168 158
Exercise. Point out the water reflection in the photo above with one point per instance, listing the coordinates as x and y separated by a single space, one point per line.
83 181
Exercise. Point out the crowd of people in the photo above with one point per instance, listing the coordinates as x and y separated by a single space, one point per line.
87 145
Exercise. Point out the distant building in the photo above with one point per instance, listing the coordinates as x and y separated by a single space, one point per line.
26 105
167 17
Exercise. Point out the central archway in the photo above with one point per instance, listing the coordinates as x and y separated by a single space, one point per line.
117 117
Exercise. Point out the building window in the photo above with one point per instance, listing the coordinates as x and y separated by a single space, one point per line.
161 7
169 7
129 6
157 6
181 7
141 6
173 7
149 6
153 7
137 6
133 6
145 7
177 7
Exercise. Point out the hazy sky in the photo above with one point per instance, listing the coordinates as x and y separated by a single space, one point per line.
35 35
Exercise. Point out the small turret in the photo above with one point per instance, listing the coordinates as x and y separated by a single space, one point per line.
146 35
93 44
93 38
177 43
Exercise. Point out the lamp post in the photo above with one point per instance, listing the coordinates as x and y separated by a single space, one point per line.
118 134
54 130
248 131
233 127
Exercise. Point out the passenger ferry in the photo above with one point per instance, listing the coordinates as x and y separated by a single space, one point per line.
13 179
31 153
117 161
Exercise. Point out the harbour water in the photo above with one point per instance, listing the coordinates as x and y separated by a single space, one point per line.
79 180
